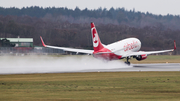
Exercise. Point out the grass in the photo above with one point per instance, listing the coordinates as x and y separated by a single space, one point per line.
115 86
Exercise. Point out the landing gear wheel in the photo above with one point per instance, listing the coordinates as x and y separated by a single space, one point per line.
127 62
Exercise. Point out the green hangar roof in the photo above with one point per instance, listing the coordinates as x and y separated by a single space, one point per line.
19 39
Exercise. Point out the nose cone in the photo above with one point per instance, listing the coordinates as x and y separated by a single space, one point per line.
139 43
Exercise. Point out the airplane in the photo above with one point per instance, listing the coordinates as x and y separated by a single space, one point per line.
125 48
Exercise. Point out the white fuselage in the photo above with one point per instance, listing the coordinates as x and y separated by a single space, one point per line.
118 49
125 46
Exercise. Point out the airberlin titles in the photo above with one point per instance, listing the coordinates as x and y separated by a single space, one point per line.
131 46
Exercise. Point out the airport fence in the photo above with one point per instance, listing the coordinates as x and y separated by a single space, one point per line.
29 50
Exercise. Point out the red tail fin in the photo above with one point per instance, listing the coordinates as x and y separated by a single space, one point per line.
96 40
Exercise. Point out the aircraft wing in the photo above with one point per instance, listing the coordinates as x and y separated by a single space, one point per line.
147 52
138 53
68 49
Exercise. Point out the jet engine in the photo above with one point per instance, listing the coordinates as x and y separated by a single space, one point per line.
141 57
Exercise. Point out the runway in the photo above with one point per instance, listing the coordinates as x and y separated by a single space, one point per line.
132 68
72 64
142 67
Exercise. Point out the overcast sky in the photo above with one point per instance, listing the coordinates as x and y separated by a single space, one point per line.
162 7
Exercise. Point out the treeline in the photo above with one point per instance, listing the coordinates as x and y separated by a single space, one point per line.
71 28
78 35
118 16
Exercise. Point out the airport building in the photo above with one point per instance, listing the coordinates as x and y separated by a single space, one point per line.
24 46
16 42
16 45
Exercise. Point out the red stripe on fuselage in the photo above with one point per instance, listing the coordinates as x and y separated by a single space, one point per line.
106 56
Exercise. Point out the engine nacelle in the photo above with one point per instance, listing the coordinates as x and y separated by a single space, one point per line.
141 57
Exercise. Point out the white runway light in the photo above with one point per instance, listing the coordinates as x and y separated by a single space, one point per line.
49 64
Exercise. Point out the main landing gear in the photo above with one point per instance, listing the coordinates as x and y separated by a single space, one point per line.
127 62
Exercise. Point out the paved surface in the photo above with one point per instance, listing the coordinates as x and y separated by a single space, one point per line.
86 68
142 67
47 64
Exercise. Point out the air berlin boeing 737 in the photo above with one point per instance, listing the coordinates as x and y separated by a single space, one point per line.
126 48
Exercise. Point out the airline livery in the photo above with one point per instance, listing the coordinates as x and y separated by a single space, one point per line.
126 48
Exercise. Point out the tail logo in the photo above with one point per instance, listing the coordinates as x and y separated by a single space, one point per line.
95 37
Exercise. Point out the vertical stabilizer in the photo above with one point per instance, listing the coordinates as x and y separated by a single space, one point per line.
95 37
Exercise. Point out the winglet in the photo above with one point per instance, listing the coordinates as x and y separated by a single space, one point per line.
174 45
42 41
